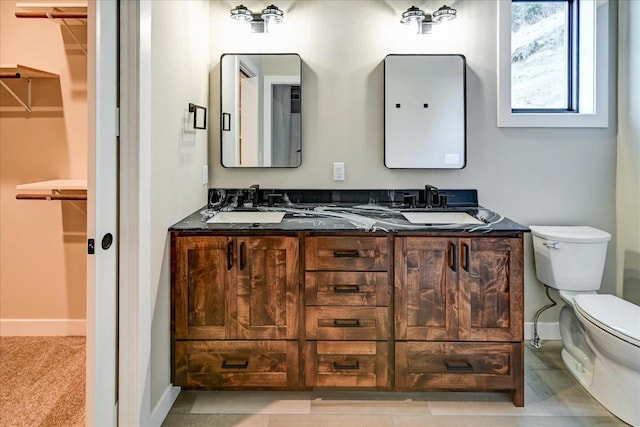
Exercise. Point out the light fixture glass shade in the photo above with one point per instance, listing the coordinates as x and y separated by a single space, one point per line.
412 15
445 13
272 14
241 13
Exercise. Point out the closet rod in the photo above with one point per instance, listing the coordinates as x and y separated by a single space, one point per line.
54 15
51 196
10 75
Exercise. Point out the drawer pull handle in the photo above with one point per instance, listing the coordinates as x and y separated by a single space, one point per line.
346 323
346 289
344 367
346 254
458 366
235 365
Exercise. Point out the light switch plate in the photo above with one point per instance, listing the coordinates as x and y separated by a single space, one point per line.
338 171
205 175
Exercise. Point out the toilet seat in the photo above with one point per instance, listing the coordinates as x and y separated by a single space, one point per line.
614 315
568 296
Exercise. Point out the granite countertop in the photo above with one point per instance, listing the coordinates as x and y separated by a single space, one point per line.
373 216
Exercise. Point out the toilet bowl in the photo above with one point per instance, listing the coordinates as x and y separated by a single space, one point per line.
600 333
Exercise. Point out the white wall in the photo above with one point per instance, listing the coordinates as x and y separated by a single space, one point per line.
534 176
179 69
628 172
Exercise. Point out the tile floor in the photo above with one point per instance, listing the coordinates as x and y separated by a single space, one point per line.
552 398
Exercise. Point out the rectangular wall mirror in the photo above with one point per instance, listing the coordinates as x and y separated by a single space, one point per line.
261 110
425 111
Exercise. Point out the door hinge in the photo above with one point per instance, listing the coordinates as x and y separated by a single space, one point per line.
91 246
117 121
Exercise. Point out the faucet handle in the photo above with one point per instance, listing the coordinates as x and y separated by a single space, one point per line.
271 198
444 197
409 200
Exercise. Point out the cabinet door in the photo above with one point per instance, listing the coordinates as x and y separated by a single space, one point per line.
268 277
491 289
426 288
204 291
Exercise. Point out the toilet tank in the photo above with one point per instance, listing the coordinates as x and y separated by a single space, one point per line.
570 257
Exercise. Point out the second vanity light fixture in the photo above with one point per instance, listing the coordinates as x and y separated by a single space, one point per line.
424 21
259 22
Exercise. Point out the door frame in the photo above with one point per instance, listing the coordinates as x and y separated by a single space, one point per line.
121 374
135 169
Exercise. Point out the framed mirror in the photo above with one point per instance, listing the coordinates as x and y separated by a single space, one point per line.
425 120
261 110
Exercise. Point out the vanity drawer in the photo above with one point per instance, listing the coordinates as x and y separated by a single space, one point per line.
347 288
444 365
347 364
216 364
347 323
347 253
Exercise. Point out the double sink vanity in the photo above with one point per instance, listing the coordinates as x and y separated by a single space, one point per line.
412 290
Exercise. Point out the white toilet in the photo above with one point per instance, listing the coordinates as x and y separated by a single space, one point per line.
600 333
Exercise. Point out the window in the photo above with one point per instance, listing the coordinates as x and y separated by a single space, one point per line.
553 63
542 46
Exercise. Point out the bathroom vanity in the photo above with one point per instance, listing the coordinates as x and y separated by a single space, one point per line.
344 291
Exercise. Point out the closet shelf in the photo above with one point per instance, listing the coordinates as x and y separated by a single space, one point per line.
18 72
55 188
76 13
64 14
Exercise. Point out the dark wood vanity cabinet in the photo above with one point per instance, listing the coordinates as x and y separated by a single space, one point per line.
235 303
459 314
410 312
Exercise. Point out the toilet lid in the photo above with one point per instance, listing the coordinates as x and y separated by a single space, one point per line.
570 234
612 314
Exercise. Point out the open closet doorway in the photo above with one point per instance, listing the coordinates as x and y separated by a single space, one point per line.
57 114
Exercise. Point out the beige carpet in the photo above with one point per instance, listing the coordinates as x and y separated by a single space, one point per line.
42 381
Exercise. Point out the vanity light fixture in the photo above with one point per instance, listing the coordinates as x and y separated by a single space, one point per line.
259 22
424 21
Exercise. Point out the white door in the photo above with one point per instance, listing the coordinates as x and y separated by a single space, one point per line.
102 225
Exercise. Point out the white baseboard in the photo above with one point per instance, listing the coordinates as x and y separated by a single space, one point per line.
42 327
161 410
546 331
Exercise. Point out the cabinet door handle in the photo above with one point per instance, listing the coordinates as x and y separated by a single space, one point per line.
235 365
453 255
229 255
344 367
346 323
346 254
346 289
242 260
465 257
457 366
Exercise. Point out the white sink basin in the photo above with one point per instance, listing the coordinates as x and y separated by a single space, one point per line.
243 217
440 218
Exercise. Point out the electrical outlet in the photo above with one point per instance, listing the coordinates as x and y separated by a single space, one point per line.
205 175
338 171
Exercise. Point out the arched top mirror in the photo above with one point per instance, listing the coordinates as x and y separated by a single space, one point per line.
261 110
